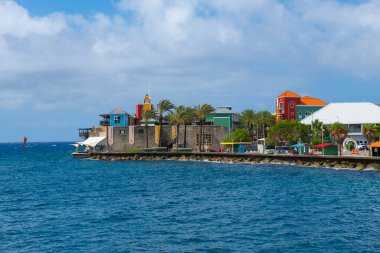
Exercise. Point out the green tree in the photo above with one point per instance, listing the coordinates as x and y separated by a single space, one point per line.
288 131
369 132
338 133
263 120
248 117
317 132
163 106
148 115
239 135
200 112
188 117
175 118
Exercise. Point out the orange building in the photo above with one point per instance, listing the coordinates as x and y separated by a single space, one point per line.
291 106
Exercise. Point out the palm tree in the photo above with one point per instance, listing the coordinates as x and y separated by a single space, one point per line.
148 115
317 129
369 132
338 133
175 118
248 118
188 117
163 106
263 120
201 111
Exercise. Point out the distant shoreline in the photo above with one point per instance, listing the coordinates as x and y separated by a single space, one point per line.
337 162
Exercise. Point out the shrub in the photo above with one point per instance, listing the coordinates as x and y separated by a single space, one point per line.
132 150
182 150
161 149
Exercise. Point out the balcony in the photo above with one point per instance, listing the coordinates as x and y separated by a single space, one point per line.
104 122
84 133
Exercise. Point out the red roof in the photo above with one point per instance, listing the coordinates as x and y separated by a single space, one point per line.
323 145
307 100
289 94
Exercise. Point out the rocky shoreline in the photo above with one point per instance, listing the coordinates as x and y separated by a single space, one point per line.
336 162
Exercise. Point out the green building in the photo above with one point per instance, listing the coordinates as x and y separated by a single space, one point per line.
224 116
304 111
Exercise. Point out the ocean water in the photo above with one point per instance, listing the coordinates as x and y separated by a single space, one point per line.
51 202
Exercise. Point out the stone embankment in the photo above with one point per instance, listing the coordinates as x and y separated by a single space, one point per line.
359 163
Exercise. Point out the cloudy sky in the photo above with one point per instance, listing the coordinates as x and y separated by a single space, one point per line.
62 63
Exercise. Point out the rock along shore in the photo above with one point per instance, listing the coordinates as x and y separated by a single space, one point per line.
337 162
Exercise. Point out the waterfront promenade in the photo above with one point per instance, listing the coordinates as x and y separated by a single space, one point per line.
338 162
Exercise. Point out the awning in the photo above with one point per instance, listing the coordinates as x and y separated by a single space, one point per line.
299 145
375 145
323 145
93 141
233 143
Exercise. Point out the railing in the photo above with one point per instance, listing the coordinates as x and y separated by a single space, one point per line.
84 133
104 123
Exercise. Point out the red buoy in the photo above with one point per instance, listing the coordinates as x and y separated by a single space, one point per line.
25 140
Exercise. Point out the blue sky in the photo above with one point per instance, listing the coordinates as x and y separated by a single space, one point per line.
62 63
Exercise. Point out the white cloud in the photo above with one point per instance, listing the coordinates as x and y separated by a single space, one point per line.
190 51
15 21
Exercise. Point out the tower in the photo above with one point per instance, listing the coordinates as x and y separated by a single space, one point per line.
147 103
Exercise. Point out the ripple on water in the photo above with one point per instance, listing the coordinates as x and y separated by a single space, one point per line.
53 203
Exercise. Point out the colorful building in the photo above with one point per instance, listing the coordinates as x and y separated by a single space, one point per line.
291 106
224 116
140 108
308 106
117 117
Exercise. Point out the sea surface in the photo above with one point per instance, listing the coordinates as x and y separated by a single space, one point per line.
50 202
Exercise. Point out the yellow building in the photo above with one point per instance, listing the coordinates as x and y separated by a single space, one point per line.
147 103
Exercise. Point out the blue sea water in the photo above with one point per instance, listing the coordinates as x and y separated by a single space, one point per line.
51 202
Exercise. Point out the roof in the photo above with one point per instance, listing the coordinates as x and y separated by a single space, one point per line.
289 94
92 141
118 111
323 145
307 100
375 145
346 113
223 109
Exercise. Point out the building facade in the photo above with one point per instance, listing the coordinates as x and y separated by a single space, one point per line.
117 117
225 117
132 137
354 115
291 106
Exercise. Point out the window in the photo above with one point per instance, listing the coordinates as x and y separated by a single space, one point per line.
117 119
356 128
207 139
300 115
121 132
280 106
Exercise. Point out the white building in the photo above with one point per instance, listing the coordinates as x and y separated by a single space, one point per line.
354 115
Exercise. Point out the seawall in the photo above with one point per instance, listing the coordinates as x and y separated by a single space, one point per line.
359 163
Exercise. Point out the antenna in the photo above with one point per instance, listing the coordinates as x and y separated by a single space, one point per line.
149 88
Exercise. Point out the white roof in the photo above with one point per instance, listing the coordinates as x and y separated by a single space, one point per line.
223 109
93 141
346 113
